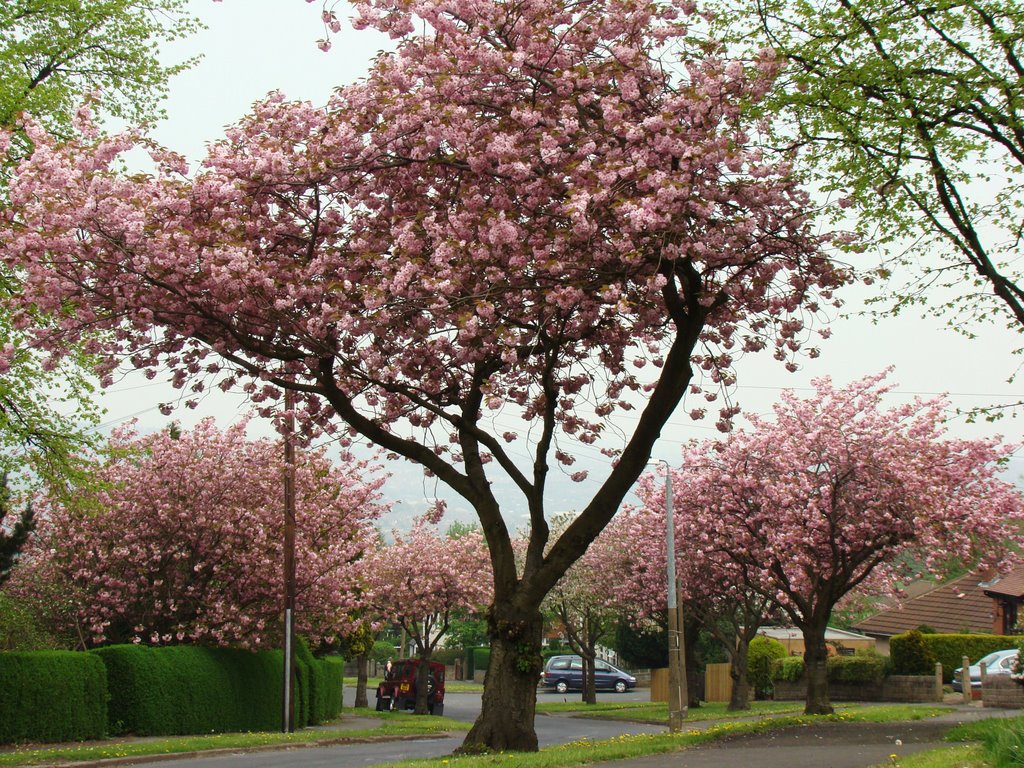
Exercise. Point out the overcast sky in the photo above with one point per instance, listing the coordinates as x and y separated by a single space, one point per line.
255 46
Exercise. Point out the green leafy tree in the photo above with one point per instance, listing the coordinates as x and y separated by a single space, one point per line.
13 539
911 112
52 52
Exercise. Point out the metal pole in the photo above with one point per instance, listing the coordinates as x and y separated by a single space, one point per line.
288 701
677 703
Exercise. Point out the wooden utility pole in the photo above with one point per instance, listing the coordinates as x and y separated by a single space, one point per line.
288 698
677 699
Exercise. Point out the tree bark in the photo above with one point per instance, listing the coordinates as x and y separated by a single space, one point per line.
739 699
362 674
510 692
815 670
691 660
422 682
589 675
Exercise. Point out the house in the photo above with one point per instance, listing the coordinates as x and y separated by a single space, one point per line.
845 643
975 602
1007 593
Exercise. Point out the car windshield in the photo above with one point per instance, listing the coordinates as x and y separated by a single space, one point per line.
990 659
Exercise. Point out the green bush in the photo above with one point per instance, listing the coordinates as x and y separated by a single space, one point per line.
949 649
763 651
789 669
382 651
911 655
866 667
182 690
21 629
481 659
319 686
52 696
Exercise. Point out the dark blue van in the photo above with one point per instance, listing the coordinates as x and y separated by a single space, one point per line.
565 673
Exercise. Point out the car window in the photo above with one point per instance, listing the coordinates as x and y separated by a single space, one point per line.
601 666
559 664
576 664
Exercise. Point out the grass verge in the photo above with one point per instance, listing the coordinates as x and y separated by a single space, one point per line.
587 752
657 712
1000 745
392 725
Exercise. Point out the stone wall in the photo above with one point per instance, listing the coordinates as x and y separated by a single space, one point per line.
1001 691
899 688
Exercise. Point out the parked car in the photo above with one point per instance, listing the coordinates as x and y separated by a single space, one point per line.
565 673
398 688
996 663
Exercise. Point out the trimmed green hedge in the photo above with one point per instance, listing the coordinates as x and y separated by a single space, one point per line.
52 696
166 691
949 649
180 690
860 668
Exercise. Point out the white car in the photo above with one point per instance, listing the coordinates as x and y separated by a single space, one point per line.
996 663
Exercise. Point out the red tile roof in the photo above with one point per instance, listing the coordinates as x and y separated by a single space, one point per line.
953 607
1008 585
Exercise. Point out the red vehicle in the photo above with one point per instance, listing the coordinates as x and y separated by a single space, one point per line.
398 689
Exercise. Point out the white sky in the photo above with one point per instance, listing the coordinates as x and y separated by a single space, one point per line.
255 46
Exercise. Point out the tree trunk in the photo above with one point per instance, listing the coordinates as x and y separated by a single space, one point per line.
510 693
589 676
362 673
422 683
815 670
691 660
740 697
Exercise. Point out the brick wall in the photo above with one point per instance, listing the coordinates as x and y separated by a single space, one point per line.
1001 691
904 688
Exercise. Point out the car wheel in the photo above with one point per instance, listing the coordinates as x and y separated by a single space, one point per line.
620 687
561 686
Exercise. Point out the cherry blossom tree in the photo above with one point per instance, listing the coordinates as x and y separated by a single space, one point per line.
421 581
829 495
182 540
716 592
543 211
583 602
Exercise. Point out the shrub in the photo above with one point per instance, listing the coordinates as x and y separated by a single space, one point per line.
760 655
382 651
867 667
481 658
52 696
949 649
181 690
911 655
789 669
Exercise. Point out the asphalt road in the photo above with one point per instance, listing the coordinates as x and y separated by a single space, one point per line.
459 706
828 745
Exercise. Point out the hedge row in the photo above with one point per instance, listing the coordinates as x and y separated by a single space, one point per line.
52 696
948 650
860 668
175 690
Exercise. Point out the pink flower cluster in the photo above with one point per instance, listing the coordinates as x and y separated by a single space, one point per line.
181 540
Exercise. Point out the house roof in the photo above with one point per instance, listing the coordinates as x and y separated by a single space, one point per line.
958 605
1008 585
790 633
